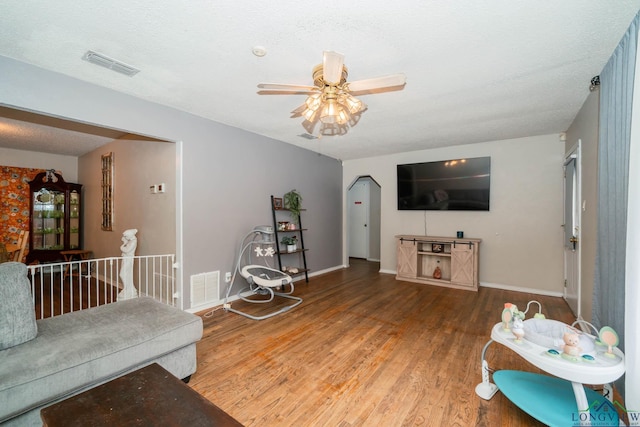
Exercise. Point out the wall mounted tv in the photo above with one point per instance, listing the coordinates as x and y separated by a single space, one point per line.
453 185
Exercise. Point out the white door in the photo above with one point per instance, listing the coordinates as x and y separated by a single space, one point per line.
572 215
358 199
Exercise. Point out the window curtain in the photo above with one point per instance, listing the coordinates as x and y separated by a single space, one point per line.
14 202
632 287
616 99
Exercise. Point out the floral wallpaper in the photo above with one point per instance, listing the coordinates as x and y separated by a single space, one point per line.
14 201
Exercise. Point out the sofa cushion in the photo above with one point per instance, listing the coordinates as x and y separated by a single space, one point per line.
17 314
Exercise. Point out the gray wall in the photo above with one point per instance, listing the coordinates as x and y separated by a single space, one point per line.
585 128
227 174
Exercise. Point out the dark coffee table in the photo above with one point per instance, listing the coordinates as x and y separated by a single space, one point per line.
150 396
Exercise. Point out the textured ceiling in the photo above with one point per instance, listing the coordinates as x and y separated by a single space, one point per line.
23 130
476 71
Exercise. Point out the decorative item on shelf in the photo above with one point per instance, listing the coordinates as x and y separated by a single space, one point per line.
291 226
436 248
283 225
277 203
437 273
44 196
460 234
293 202
290 270
290 242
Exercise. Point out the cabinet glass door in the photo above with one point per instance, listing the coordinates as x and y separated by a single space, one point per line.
74 219
48 220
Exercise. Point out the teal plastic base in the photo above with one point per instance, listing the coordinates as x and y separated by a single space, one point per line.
551 400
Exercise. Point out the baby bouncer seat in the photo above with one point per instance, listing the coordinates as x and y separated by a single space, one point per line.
262 279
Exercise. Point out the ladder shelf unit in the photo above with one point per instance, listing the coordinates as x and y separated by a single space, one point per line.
282 228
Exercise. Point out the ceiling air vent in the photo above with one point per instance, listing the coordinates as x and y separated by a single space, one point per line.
307 136
112 64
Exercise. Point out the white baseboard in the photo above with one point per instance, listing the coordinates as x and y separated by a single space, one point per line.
520 289
506 287
326 270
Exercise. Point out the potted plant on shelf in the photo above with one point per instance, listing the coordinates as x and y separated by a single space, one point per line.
290 242
293 202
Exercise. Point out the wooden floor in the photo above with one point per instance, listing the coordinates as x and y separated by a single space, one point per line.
364 350
54 296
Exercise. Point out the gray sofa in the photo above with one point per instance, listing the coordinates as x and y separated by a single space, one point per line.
45 361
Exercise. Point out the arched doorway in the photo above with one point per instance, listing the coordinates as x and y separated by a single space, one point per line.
363 219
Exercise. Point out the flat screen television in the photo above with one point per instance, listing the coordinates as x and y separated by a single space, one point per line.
450 185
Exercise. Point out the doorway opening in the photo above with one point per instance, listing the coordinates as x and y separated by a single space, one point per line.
572 230
363 219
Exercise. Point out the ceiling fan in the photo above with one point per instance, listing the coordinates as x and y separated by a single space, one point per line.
331 101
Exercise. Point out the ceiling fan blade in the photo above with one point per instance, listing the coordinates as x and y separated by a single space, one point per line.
374 91
286 92
377 83
332 63
286 87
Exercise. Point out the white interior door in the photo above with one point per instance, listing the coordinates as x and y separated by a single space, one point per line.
358 199
572 214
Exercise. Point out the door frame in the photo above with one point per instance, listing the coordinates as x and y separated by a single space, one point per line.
367 196
575 153
347 222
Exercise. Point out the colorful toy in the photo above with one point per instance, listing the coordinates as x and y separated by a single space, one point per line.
571 347
517 327
610 338
537 315
507 315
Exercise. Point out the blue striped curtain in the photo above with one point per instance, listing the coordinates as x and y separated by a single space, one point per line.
616 96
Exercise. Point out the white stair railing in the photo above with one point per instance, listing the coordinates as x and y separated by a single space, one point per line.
65 287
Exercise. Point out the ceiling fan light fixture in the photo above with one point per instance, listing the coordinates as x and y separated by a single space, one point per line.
333 129
343 117
332 65
309 114
314 101
353 104
329 101
329 112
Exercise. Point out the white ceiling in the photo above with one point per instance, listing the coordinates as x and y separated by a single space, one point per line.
476 71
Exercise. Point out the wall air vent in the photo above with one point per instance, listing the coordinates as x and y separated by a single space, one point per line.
205 288
112 64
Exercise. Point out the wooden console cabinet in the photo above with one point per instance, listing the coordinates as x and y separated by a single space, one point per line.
418 257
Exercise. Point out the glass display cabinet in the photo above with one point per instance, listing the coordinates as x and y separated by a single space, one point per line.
56 217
